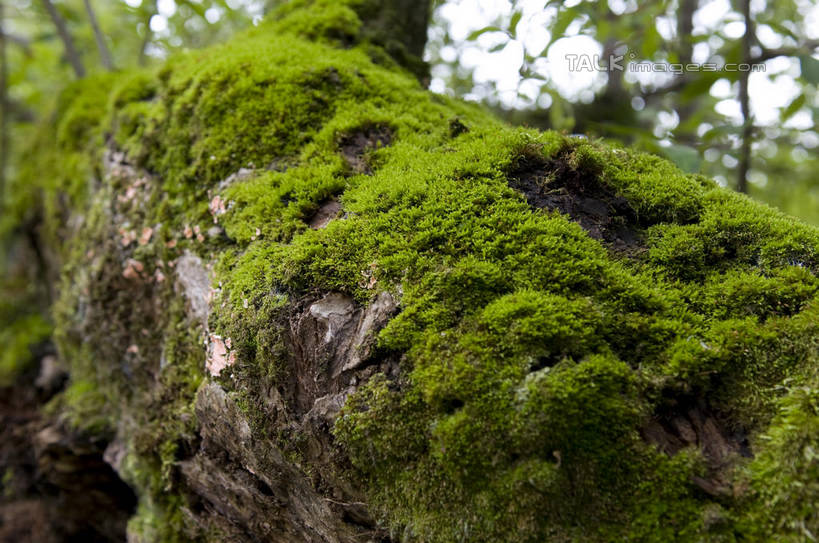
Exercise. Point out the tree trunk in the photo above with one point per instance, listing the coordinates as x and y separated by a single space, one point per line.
303 299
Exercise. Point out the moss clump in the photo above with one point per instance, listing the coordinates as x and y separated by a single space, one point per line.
536 353
785 473
18 337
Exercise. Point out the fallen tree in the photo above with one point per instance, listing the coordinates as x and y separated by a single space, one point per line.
297 297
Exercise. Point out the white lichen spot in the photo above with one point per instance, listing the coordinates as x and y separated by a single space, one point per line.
219 355
193 277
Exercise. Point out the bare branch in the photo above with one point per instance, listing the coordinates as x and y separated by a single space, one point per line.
22 42
146 39
805 48
4 110
744 102
105 54
65 36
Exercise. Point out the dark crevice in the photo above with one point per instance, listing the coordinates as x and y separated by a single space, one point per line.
451 405
456 128
357 147
326 212
542 362
556 184
57 485
682 422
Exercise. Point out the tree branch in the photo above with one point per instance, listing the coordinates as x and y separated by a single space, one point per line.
146 39
680 81
21 41
804 48
744 102
105 54
65 36
4 102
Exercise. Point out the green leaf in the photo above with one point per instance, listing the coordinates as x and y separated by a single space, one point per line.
700 83
810 69
651 40
793 107
513 23
477 33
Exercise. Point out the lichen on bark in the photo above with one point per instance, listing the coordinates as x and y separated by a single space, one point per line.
302 298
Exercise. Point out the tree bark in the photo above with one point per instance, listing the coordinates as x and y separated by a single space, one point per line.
400 26
303 300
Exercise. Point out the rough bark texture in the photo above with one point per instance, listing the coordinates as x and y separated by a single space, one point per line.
282 293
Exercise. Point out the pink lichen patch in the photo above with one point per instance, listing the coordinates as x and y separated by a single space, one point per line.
171 244
129 195
219 355
146 235
217 207
127 236
132 349
188 231
133 269
368 279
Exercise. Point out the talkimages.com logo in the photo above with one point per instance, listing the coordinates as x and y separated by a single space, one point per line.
593 63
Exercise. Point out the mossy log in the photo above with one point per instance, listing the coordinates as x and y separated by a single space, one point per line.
300 298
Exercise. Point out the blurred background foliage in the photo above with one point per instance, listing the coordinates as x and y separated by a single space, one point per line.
753 131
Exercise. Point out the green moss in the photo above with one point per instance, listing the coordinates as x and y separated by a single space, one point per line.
86 408
784 477
533 354
18 337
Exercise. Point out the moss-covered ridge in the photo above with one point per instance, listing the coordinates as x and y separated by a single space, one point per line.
649 378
